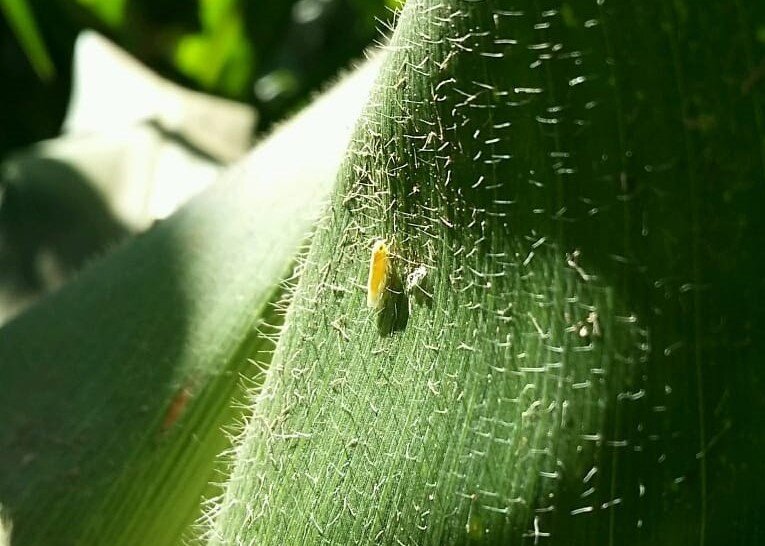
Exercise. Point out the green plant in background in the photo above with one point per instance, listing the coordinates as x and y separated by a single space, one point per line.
111 12
113 416
20 18
219 57
226 47
567 352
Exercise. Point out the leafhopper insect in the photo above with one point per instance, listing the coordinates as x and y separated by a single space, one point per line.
379 274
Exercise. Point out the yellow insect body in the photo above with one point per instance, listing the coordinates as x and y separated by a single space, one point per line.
379 273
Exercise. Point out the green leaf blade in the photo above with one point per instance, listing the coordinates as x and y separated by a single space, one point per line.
115 389
22 22
560 378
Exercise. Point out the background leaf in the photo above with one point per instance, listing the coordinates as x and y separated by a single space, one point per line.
23 23
113 391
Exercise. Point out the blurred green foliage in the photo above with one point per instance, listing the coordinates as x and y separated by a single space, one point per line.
111 12
25 28
269 54
220 56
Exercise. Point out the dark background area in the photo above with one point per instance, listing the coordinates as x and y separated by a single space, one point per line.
59 211
269 54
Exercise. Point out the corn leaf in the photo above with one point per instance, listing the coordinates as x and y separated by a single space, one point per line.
567 350
114 390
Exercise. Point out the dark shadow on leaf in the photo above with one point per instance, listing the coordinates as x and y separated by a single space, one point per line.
394 315
52 220
47 206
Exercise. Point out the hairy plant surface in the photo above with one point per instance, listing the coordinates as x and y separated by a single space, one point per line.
580 184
